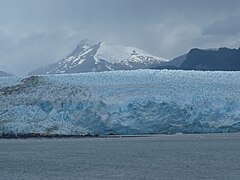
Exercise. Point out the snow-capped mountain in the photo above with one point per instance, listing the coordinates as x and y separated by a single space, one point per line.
121 102
101 57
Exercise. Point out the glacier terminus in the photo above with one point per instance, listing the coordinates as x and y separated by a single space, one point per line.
121 102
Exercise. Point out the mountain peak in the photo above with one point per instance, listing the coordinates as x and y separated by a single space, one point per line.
82 46
103 56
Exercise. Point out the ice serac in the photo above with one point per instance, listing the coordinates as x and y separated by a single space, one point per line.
122 102
101 57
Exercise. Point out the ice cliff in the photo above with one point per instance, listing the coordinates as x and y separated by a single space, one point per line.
121 102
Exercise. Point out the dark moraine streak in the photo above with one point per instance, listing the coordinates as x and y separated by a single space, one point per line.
163 157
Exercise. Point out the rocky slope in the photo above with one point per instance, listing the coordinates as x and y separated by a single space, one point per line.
222 59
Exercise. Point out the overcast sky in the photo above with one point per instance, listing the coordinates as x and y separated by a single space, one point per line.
39 32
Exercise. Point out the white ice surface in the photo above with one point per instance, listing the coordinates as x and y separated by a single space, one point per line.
122 102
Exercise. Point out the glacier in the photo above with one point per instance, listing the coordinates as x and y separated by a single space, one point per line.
121 102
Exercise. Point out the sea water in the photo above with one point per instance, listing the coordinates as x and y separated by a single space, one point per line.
161 157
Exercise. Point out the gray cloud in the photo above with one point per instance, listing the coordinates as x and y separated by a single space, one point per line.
39 32
228 27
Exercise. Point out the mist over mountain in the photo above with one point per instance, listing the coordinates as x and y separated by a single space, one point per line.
4 71
2 74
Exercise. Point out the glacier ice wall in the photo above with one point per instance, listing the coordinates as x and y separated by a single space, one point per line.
122 102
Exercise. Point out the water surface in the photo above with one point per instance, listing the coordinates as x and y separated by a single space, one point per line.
178 157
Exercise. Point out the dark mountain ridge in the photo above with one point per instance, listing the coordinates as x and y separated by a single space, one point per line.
222 59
